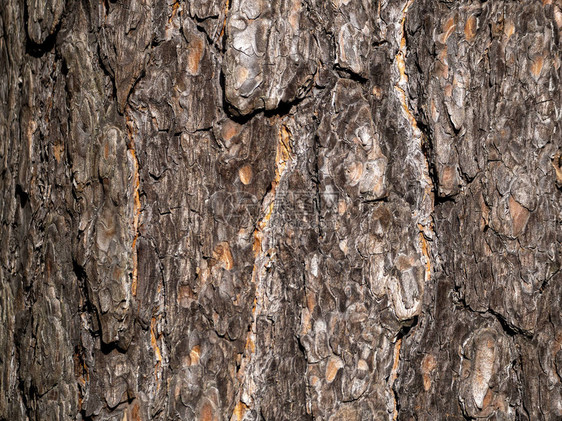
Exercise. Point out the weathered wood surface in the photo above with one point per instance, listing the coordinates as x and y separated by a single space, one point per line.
285 210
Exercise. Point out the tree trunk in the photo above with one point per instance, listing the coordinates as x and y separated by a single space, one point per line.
286 210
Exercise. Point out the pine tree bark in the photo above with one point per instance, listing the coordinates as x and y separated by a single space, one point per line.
287 210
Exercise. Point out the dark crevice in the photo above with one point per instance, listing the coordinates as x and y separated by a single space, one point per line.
350 74
108 72
39 50
21 195
26 396
316 181
428 151
467 178
206 18
230 112
507 327
131 90
210 41
439 200
373 201
456 132
301 348
407 328
108 348
81 275
67 102
546 282
377 42
403 333
465 414
106 7
157 177
283 109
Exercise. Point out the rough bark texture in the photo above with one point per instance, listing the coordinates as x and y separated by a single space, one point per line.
285 210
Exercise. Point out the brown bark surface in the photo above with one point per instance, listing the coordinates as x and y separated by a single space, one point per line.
280 210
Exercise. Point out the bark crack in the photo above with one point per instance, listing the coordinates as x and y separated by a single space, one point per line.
394 376
136 201
424 214
263 260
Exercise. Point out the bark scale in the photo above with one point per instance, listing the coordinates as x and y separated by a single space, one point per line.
288 210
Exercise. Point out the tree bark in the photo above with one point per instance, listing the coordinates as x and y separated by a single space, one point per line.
287 210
